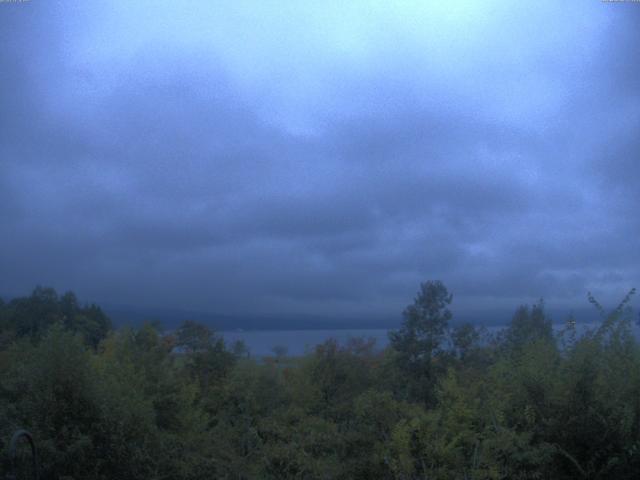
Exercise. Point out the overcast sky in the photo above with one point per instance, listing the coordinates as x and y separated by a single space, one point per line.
286 158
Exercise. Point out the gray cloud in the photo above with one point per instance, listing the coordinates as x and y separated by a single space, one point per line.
255 175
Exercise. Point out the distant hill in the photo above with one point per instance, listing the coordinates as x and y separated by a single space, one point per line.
172 318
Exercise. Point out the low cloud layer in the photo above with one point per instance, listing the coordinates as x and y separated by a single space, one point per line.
320 160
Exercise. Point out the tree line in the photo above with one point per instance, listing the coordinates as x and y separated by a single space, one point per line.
440 402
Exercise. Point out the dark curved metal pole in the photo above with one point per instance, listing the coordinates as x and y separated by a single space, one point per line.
13 446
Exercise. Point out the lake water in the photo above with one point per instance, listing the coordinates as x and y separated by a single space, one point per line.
298 342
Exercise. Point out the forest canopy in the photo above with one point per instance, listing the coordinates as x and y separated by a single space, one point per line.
441 401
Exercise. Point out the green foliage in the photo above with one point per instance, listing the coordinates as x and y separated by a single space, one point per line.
528 325
206 359
31 317
193 337
141 404
420 339
50 389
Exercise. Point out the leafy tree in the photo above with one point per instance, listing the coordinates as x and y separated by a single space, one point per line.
132 405
50 389
161 397
528 325
194 337
420 339
32 316
465 338
206 360
332 378
368 453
